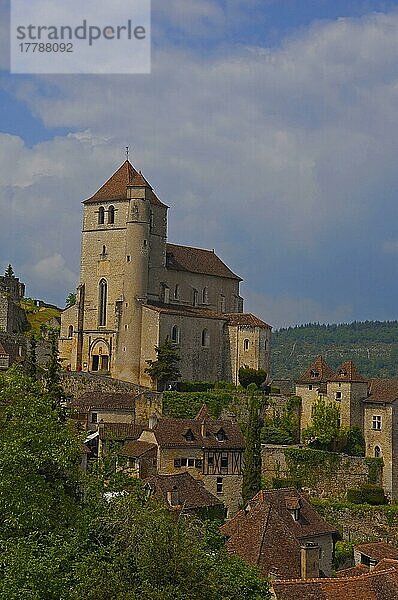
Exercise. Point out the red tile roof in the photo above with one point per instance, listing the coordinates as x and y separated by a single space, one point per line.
173 433
353 571
318 372
136 448
375 585
186 311
265 533
246 319
191 493
378 550
197 260
382 390
347 371
120 431
99 400
116 186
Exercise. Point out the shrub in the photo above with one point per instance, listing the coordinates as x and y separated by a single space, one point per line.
343 554
285 482
367 494
248 376
195 386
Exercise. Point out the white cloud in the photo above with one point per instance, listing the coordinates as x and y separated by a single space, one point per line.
275 157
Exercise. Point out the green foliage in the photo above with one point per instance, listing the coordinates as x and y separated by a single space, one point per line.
343 554
165 368
248 376
324 432
284 482
252 455
70 299
355 442
37 316
375 469
373 343
186 405
284 426
367 494
195 386
9 272
52 377
308 466
31 359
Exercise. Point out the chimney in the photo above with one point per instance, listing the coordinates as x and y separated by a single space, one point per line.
153 421
310 553
172 497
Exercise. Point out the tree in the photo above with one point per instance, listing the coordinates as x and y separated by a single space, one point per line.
9 271
248 376
31 358
70 299
52 376
165 368
252 456
325 432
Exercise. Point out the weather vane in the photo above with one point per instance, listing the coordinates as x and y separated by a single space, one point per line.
127 152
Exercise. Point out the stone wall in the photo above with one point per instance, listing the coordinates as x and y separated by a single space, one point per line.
324 474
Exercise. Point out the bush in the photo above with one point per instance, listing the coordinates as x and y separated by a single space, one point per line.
195 386
367 494
248 376
285 482
186 405
343 554
275 435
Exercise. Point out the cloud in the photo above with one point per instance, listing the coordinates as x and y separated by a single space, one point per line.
282 159
391 246
53 270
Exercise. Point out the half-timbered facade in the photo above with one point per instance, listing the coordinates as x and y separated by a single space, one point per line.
211 450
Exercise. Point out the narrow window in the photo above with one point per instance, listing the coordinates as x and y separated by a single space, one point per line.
177 463
224 461
103 293
101 215
205 339
128 258
70 331
184 462
198 463
376 422
222 303
194 297
191 462
94 417
151 221
219 485
111 215
246 344
176 292
175 334
339 395
205 295
310 387
377 451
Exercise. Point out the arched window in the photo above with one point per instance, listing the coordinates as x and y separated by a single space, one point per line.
377 451
103 297
176 292
205 295
194 297
205 338
246 344
101 215
175 334
70 331
111 215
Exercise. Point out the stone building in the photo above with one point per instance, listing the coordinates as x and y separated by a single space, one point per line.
211 450
12 316
283 535
136 290
370 404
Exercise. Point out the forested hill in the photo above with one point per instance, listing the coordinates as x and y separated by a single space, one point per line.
372 345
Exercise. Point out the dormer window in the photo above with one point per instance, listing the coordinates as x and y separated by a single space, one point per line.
342 372
293 506
220 435
189 436
314 374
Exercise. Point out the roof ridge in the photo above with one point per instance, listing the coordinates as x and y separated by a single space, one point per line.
337 579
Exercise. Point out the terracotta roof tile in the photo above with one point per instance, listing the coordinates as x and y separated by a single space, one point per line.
120 431
116 186
173 433
105 400
191 493
318 372
246 319
378 550
382 390
266 534
136 448
197 260
375 585
186 311
353 571
347 371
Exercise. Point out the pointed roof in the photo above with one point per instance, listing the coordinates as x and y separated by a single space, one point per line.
318 372
116 186
347 371
203 414
197 260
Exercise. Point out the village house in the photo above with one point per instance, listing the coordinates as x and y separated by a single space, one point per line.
211 450
280 533
136 290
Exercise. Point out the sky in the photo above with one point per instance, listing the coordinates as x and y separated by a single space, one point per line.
269 127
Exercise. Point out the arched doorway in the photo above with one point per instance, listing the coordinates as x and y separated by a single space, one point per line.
100 356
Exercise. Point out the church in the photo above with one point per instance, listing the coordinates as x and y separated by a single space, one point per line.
136 290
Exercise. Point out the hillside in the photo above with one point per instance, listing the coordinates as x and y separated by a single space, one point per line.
38 316
372 345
